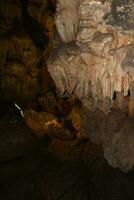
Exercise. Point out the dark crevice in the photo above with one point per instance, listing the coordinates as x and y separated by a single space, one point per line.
33 28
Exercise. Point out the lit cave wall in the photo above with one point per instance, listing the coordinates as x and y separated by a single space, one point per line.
72 60
94 63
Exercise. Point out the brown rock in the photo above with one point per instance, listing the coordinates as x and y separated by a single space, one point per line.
19 69
48 102
10 11
115 120
41 123
131 107
120 151
92 124
66 19
19 83
74 116
121 102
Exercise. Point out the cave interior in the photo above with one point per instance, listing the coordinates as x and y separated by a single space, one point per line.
66 99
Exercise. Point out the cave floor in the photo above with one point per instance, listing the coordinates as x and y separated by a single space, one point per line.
55 169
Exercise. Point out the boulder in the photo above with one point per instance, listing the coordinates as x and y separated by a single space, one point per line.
93 124
119 152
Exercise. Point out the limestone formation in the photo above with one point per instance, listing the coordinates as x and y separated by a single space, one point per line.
46 124
21 60
123 13
66 19
119 150
41 123
96 66
19 71
95 62
93 124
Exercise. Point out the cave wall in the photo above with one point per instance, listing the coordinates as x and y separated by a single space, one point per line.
66 19
94 63
91 62
26 39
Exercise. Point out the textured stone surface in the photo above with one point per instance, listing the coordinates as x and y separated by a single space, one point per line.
97 67
122 12
41 123
19 67
115 133
66 19
93 124
64 62
90 16
119 151
26 30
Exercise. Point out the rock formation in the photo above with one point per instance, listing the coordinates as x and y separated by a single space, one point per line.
99 52
91 67
22 61
66 19
19 72
95 64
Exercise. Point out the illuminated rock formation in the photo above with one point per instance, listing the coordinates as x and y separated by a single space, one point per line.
96 65
66 19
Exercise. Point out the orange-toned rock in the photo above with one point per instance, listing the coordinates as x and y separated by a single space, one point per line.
41 123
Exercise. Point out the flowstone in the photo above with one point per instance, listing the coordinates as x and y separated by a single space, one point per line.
96 66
